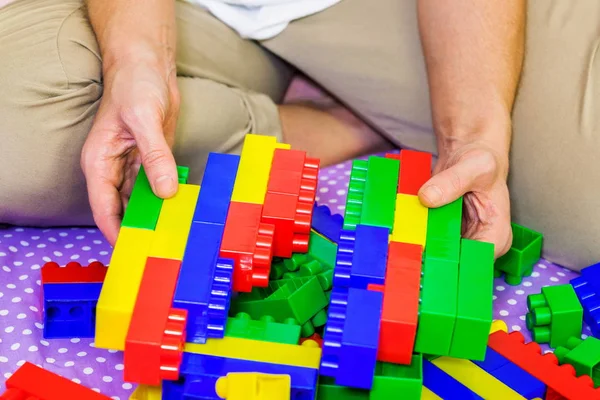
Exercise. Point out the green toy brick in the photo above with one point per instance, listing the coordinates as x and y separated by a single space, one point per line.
525 251
475 310
144 206
379 200
583 355
444 231
300 299
320 248
356 191
183 173
438 308
554 315
265 329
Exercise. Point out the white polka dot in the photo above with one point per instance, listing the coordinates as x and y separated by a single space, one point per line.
119 367
80 237
9 329
15 346
82 354
512 302
554 279
16 300
23 277
324 190
323 177
75 340
535 274
57 253
107 379
584 336
504 313
3 359
51 239
516 328
33 348
347 173
75 257
20 362
69 245
41 246
91 260
3 313
97 242
35 267
100 359
341 207
69 364
103 253
527 284
2 254
6 268
88 371
62 350
112 351
520 292
522 317
333 201
63 234
542 266
13 249
18 263
46 259
28 290
50 360
11 286
500 288
76 380
340 192
35 238
29 254
44 343
332 182
494 297
7 375
27 332
127 386
24 243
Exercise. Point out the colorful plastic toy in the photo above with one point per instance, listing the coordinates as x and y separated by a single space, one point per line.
525 251
587 288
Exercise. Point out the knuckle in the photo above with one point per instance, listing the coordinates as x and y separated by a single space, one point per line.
456 181
153 158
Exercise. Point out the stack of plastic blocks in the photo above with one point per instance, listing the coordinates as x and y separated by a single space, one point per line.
554 315
70 295
583 355
390 247
177 261
587 288
525 251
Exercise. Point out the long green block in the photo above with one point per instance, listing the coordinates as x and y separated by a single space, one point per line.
265 329
381 187
322 249
475 310
444 231
356 191
583 355
438 308
525 251
144 206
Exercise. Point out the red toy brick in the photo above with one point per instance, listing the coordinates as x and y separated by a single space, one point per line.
561 380
393 156
73 272
156 336
292 220
316 337
31 382
249 243
400 303
415 170
286 171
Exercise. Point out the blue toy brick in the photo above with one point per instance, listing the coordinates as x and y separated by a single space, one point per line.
444 385
70 309
361 257
351 337
493 360
204 283
586 288
326 224
199 374
217 188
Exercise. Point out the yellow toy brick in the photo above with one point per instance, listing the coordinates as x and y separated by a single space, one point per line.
306 355
174 223
255 166
410 220
144 392
120 288
254 386
476 379
498 325
427 394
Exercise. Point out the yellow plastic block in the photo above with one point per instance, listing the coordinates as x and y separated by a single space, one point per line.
427 394
144 392
410 220
254 386
174 223
498 325
120 288
255 166
476 379
306 355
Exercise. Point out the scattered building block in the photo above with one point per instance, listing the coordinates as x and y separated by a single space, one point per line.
73 272
444 231
254 386
554 315
356 192
265 329
322 249
587 288
327 224
444 385
144 392
380 192
410 221
525 251
415 171
583 355
183 174
144 206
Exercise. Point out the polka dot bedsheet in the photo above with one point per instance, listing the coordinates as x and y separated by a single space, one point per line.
24 250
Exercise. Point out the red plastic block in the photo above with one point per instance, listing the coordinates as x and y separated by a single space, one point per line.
73 272
552 395
561 380
249 243
400 303
156 336
31 382
315 337
415 170
393 156
291 172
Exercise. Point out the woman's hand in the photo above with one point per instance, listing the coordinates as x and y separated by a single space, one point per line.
478 172
135 124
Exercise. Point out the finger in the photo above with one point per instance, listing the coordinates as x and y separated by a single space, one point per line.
450 184
105 202
156 156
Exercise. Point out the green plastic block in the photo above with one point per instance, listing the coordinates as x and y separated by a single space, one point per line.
583 355
554 315
438 308
300 299
444 231
183 173
379 200
144 206
525 251
356 191
475 310
264 330
320 248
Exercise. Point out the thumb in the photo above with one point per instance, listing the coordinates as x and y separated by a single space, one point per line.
449 184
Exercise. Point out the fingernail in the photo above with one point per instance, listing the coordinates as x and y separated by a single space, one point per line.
165 186
433 194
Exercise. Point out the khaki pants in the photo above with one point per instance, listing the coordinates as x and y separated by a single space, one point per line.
367 53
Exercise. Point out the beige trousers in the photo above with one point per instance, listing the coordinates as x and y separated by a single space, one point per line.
367 53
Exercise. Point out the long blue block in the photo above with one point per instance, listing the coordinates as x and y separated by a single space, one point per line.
445 386
493 360
201 372
204 283
327 224
351 337
587 289
217 188
69 309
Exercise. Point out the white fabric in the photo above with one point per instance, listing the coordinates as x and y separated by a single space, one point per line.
262 19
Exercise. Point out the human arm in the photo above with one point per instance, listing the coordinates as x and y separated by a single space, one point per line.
474 52
136 120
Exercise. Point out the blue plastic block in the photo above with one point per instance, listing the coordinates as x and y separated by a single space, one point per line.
445 386
70 309
361 257
326 224
216 188
351 337
204 283
492 361
587 288
201 372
